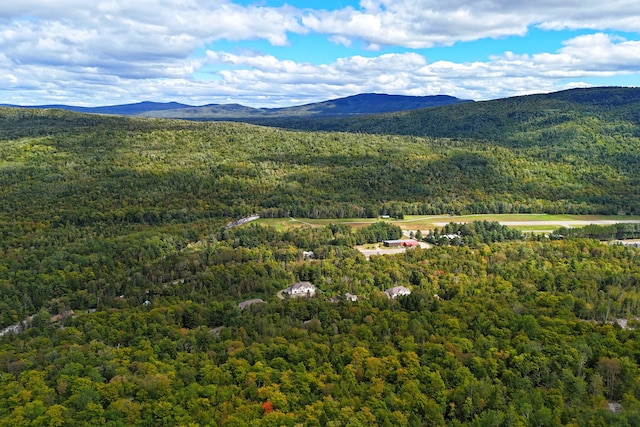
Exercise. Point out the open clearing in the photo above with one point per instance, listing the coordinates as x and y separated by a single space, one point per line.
525 222
378 249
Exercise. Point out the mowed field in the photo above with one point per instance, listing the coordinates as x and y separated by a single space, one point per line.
538 223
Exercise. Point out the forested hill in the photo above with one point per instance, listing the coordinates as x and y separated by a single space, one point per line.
523 120
114 251
107 168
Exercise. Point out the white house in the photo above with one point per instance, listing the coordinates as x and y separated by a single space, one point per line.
396 291
301 289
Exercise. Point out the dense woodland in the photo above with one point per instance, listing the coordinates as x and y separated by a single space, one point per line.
513 333
531 154
114 251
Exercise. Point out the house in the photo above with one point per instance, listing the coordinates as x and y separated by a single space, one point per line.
301 289
397 291
400 243
308 255
247 303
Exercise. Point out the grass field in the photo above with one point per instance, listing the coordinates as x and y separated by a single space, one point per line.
524 222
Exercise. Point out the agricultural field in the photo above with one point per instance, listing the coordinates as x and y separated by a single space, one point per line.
536 223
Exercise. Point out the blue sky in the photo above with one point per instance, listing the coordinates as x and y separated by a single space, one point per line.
271 53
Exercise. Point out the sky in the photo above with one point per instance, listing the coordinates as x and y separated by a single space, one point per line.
276 53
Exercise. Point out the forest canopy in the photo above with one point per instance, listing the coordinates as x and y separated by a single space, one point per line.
122 170
121 284
521 332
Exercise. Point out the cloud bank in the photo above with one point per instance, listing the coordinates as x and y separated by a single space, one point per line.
116 51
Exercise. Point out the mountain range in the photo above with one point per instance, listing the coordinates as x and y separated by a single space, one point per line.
368 103
515 118
574 151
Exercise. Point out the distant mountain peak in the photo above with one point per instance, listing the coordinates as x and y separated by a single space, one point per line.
374 103
365 103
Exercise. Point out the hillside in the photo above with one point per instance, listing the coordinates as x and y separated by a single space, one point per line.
114 250
92 185
573 152
502 120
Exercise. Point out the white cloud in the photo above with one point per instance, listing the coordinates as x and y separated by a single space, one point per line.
603 53
263 80
132 38
112 51
428 23
587 56
409 73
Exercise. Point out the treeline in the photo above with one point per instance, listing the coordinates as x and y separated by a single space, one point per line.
518 332
437 206
376 232
473 233
620 231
